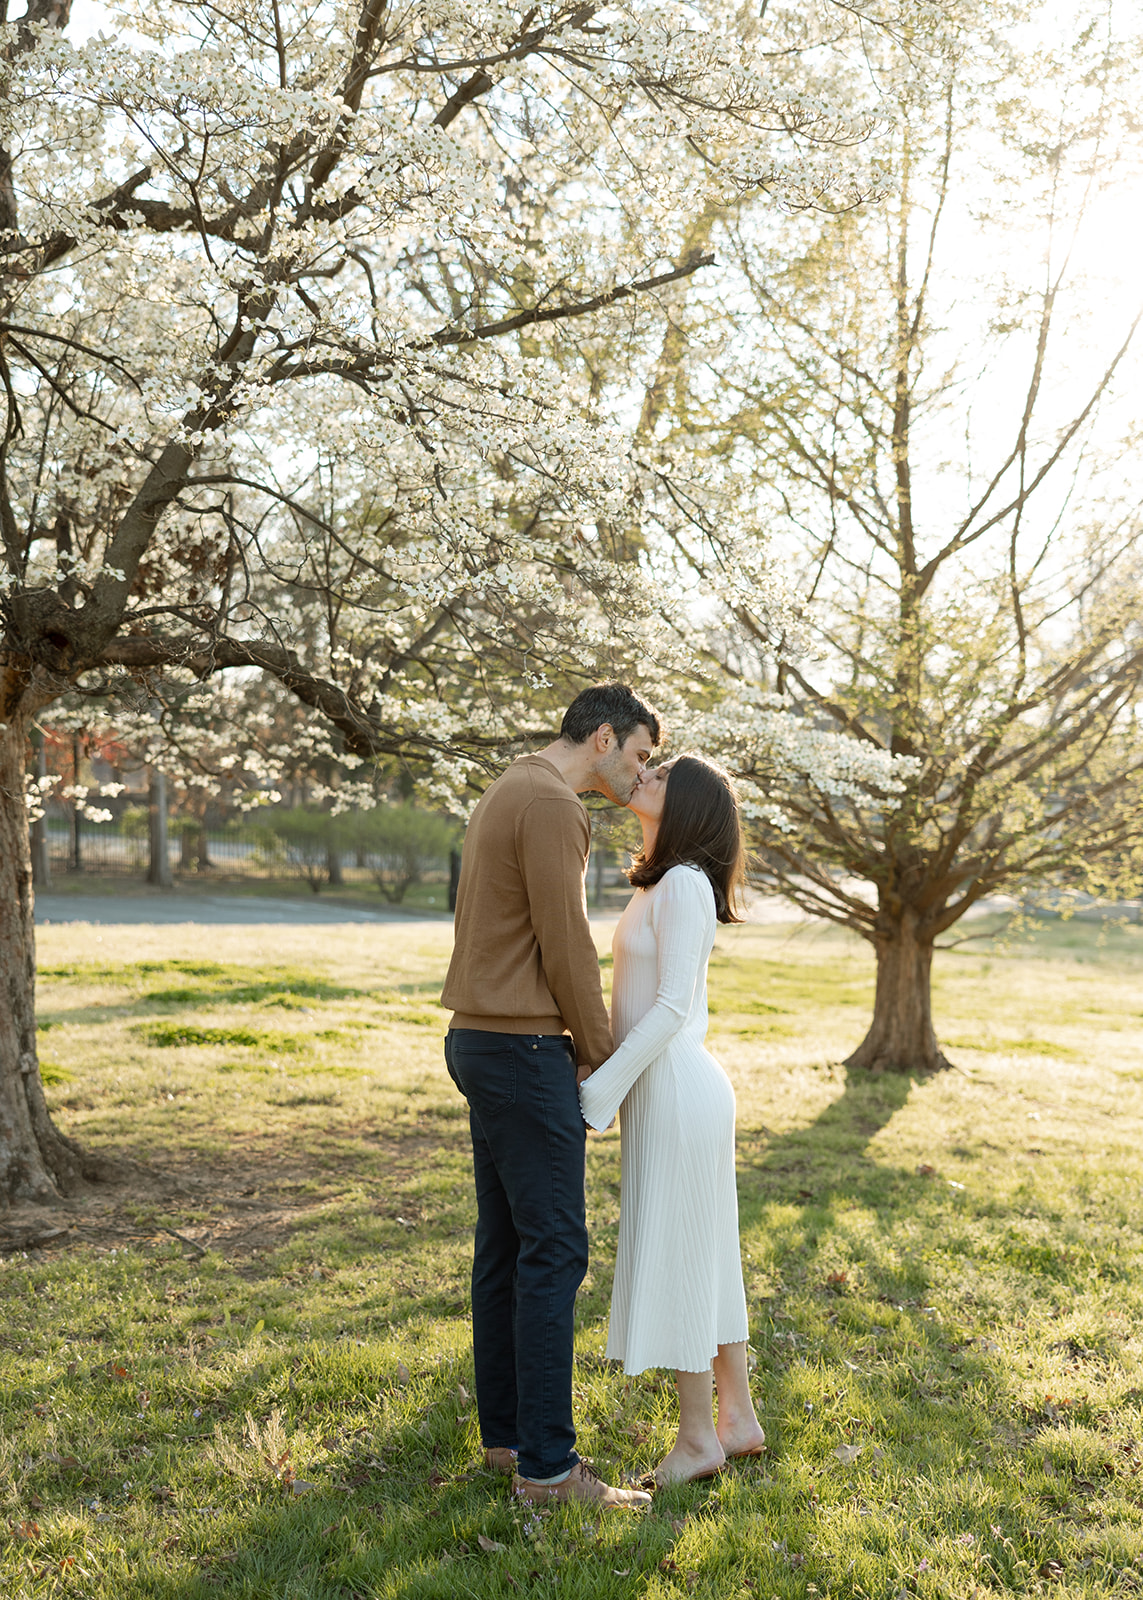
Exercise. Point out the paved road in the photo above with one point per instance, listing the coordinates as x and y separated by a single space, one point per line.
218 909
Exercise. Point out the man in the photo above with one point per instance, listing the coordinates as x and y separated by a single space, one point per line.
524 975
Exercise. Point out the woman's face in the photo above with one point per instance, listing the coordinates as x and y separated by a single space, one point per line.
650 793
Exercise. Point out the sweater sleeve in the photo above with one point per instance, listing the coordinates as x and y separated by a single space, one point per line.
682 918
553 838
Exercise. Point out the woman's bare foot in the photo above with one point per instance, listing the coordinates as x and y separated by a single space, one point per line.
682 1464
744 1438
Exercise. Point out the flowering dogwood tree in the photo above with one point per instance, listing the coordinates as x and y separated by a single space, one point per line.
279 287
935 408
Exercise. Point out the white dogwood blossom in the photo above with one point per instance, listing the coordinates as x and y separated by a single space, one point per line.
298 307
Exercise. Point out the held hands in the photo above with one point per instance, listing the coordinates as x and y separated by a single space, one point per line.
583 1074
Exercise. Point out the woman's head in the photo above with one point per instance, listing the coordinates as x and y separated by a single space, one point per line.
696 809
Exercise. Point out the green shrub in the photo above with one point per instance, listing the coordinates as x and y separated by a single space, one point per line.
400 843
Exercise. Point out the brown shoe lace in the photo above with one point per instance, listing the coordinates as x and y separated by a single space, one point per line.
588 1471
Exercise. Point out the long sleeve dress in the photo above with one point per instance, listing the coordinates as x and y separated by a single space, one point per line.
678 1289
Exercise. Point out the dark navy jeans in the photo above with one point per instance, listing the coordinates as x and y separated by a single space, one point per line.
528 1140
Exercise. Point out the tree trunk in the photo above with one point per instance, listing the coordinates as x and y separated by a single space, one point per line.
76 862
194 849
159 858
901 1037
37 1162
41 861
333 866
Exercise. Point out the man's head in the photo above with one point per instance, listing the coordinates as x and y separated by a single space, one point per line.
616 732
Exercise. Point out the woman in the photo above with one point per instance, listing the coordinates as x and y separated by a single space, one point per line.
678 1299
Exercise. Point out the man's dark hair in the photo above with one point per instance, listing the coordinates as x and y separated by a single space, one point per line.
613 703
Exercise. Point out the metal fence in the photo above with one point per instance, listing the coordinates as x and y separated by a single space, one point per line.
104 848
235 854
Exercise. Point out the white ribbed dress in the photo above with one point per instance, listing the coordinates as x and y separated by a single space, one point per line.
678 1277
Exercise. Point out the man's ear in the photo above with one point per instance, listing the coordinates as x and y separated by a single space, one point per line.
603 735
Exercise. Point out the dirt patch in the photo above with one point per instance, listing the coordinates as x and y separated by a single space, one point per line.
242 1207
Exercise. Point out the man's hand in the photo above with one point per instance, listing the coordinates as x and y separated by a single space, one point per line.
582 1074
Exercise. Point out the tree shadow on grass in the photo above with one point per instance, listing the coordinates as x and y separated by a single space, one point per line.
908 1367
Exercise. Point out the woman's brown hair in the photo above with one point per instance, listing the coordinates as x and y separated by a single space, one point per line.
701 825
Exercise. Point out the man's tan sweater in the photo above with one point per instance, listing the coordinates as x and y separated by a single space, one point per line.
524 960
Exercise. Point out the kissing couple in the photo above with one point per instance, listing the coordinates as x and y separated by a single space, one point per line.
531 1048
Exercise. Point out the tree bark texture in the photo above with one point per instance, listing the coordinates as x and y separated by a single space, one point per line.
901 1037
37 1162
41 859
158 853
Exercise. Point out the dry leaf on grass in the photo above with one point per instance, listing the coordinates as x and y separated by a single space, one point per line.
490 1546
847 1454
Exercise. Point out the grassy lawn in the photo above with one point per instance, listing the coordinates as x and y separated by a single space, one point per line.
248 1372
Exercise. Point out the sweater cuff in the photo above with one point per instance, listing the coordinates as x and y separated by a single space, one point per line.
591 1117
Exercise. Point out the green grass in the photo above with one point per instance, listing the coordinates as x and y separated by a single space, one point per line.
172 1035
944 1279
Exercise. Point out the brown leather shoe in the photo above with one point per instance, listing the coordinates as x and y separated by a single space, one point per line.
501 1458
582 1483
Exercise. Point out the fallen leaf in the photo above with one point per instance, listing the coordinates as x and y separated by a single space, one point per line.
462 1394
300 1486
692 1579
490 1546
402 1374
622 1572
847 1454
26 1530
926 1170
